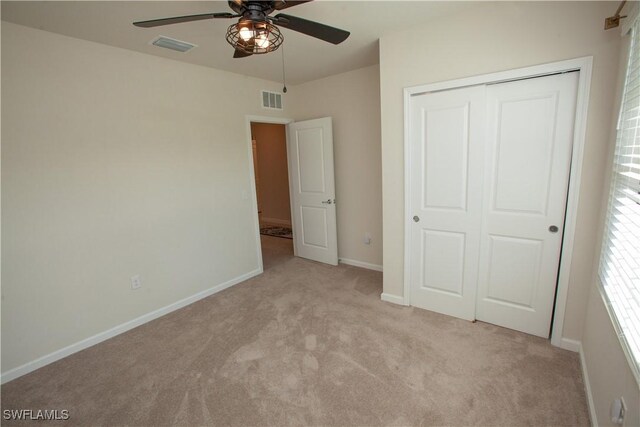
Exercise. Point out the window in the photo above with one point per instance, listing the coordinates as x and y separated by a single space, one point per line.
620 261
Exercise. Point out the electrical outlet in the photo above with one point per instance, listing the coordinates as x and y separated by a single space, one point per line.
367 238
617 411
136 282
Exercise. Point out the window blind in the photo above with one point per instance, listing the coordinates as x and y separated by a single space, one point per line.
620 260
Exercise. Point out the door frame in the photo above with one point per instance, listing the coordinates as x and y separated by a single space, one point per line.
584 66
252 179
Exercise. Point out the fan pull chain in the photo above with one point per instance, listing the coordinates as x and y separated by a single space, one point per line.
284 80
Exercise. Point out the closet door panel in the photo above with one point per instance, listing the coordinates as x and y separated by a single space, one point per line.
446 182
527 164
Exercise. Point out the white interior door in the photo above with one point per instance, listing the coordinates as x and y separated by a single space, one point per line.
446 131
529 141
312 186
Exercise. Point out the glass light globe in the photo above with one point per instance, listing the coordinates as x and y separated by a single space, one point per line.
246 33
262 41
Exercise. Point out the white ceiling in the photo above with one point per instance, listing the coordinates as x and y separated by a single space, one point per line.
306 58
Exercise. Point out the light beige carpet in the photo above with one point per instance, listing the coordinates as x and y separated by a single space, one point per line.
309 344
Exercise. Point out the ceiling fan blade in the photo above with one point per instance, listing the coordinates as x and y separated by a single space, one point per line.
311 28
285 4
180 19
240 46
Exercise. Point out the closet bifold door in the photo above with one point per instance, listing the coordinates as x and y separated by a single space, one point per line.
527 163
446 154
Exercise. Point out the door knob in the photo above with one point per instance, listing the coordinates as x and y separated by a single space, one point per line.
327 202
553 229
416 218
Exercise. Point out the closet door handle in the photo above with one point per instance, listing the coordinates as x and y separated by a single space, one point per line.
327 202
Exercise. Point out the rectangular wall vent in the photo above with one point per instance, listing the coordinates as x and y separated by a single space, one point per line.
173 44
272 100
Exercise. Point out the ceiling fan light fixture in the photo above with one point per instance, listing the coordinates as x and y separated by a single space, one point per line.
257 32
254 37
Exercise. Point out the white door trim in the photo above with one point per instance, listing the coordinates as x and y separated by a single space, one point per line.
252 178
584 66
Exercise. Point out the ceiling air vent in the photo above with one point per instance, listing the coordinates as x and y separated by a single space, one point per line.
172 44
272 100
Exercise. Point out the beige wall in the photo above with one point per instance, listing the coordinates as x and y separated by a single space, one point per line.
273 175
115 163
494 37
608 370
353 101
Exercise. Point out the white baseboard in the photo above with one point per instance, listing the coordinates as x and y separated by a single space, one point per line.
587 388
117 330
361 264
276 221
392 299
570 344
576 346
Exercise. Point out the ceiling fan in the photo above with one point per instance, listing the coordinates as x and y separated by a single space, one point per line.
256 32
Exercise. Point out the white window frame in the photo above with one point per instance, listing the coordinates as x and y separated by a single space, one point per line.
632 26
